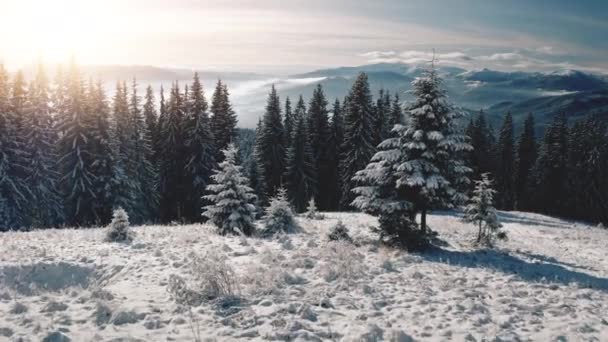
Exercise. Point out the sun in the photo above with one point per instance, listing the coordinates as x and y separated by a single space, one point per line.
55 30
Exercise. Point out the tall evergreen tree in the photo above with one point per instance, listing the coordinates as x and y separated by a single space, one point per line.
431 166
199 149
587 165
151 120
46 207
289 122
383 115
526 156
320 135
482 157
146 174
270 151
358 146
505 171
101 140
550 171
300 172
14 193
76 159
171 160
334 148
126 189
300 111
223 121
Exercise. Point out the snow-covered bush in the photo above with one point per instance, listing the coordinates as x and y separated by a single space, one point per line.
118 230
231 209
481 212
311 211
279 217
339 232
210 278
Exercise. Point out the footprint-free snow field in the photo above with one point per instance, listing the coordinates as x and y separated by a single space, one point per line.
548 282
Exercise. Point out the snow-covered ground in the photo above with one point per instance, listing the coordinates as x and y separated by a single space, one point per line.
548 282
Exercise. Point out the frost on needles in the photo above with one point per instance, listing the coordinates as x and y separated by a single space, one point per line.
231 209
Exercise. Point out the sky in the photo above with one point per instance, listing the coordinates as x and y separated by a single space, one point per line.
297 35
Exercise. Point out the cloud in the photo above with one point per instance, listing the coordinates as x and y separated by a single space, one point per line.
542 59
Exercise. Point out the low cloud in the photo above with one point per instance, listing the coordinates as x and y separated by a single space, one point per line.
542 59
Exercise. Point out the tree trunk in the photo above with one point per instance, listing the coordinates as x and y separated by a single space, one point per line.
479 234
423 220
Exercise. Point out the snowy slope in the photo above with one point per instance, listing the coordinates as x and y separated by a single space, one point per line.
549 282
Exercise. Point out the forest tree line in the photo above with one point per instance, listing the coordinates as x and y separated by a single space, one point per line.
69 155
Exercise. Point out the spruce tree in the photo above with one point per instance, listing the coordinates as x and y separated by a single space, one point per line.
270 151
151 120
334 148
146 174
396 114
101 142
587 162
320 135
358 146
76 159
300 173
550 170
505 168
289 121
432 171
526 156
171 159
224 120
199 149
481 212
300 111
481 158
126 188
14 192
46 207
231 200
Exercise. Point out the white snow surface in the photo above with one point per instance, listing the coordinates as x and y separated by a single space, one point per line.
548 282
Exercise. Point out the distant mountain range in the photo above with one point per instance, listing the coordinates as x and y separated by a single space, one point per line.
576 93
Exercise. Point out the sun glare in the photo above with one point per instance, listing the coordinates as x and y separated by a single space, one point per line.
54 30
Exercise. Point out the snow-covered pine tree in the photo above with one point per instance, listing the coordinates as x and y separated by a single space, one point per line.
224 120
151 120
126 188
300 172
526 156
288 121
77 178
320 135
505 168
101 140
358 146
312 212
231 209
481 212
200 151
270 151
432 172
46 207
171 160
334 157
378 194
118 230
146 174
14 192
278 216
256 179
